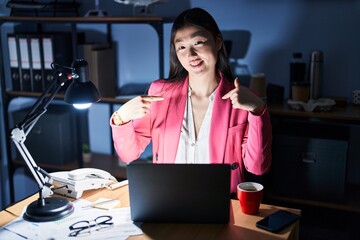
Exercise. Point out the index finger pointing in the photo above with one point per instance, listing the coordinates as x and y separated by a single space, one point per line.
153 98
228 94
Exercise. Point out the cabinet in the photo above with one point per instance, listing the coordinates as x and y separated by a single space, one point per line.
313 160
311 153
7 95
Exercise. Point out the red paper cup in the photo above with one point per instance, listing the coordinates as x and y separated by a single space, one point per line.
250 195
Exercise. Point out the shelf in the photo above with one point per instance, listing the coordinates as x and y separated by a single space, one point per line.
119 99
348 113
104 20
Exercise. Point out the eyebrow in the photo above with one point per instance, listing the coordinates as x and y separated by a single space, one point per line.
200 33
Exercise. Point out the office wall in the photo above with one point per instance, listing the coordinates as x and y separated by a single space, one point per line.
279 28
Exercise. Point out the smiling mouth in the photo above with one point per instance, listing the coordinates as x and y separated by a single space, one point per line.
195 63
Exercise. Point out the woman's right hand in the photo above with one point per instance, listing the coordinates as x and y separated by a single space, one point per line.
137 107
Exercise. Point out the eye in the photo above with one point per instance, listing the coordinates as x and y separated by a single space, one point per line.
199 42
178 48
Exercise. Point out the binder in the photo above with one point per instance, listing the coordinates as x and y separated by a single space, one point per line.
55 47
14 56
35 63
25 76
101 60
47 59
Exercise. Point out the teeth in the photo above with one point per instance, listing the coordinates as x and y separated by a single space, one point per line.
195 63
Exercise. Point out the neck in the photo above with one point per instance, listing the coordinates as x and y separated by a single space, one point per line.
203 86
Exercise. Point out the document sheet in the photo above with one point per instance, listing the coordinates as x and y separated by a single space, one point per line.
84 223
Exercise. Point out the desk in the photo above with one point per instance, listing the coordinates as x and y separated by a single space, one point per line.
241 226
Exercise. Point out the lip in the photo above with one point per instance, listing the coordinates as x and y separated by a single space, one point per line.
196 63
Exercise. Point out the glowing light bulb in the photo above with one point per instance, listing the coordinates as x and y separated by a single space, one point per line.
82 105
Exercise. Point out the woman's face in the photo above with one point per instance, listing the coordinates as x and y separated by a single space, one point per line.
196 49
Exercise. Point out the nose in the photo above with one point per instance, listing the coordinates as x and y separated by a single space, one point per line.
191 52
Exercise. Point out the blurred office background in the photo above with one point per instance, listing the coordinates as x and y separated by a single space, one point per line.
265 33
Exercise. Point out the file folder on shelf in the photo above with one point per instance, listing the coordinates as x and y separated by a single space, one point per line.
14 56
55 47
35 64
25 76
31 56
47 59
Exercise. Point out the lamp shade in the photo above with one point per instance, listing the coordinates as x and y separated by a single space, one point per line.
81 90
81 93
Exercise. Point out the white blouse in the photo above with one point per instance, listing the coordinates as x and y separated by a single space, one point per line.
190 149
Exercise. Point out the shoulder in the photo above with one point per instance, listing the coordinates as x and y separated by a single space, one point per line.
162 86
158 84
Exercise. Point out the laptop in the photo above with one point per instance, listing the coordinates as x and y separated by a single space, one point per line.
179 193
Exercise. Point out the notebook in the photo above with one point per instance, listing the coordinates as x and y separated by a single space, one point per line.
179 193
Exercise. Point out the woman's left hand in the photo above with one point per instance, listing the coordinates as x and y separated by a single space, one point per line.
242 98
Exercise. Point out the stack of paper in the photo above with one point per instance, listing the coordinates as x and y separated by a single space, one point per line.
121 228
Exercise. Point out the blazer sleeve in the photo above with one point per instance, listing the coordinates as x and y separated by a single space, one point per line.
131 139
257 154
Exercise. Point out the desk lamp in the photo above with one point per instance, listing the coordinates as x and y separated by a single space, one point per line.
81 91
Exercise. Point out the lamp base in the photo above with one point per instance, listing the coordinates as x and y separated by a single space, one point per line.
52 209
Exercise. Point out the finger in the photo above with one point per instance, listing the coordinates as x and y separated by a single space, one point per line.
229 94
233 90
145 110
153 98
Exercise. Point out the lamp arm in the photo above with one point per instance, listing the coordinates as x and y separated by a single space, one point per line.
44 100
44 183
20 132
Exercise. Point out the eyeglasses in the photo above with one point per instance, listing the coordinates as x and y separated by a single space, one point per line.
83 228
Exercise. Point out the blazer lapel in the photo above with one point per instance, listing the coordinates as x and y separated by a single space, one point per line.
174 117
219 123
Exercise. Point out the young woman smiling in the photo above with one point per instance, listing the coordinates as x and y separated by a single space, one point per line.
200 113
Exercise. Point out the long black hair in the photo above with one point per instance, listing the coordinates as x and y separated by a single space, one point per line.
200 18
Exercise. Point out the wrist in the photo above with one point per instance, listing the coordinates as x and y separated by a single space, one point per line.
259 109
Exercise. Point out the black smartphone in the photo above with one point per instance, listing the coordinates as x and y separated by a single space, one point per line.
277 221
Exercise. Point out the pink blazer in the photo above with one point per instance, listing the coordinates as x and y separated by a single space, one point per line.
237 137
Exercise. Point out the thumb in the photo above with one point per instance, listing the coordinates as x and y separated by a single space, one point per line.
227 95
236 83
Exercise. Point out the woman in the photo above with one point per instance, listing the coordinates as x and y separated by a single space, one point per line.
200 114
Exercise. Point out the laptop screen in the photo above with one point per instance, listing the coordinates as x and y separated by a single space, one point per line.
188 193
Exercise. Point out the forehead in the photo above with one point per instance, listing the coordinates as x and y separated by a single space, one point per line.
189 32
